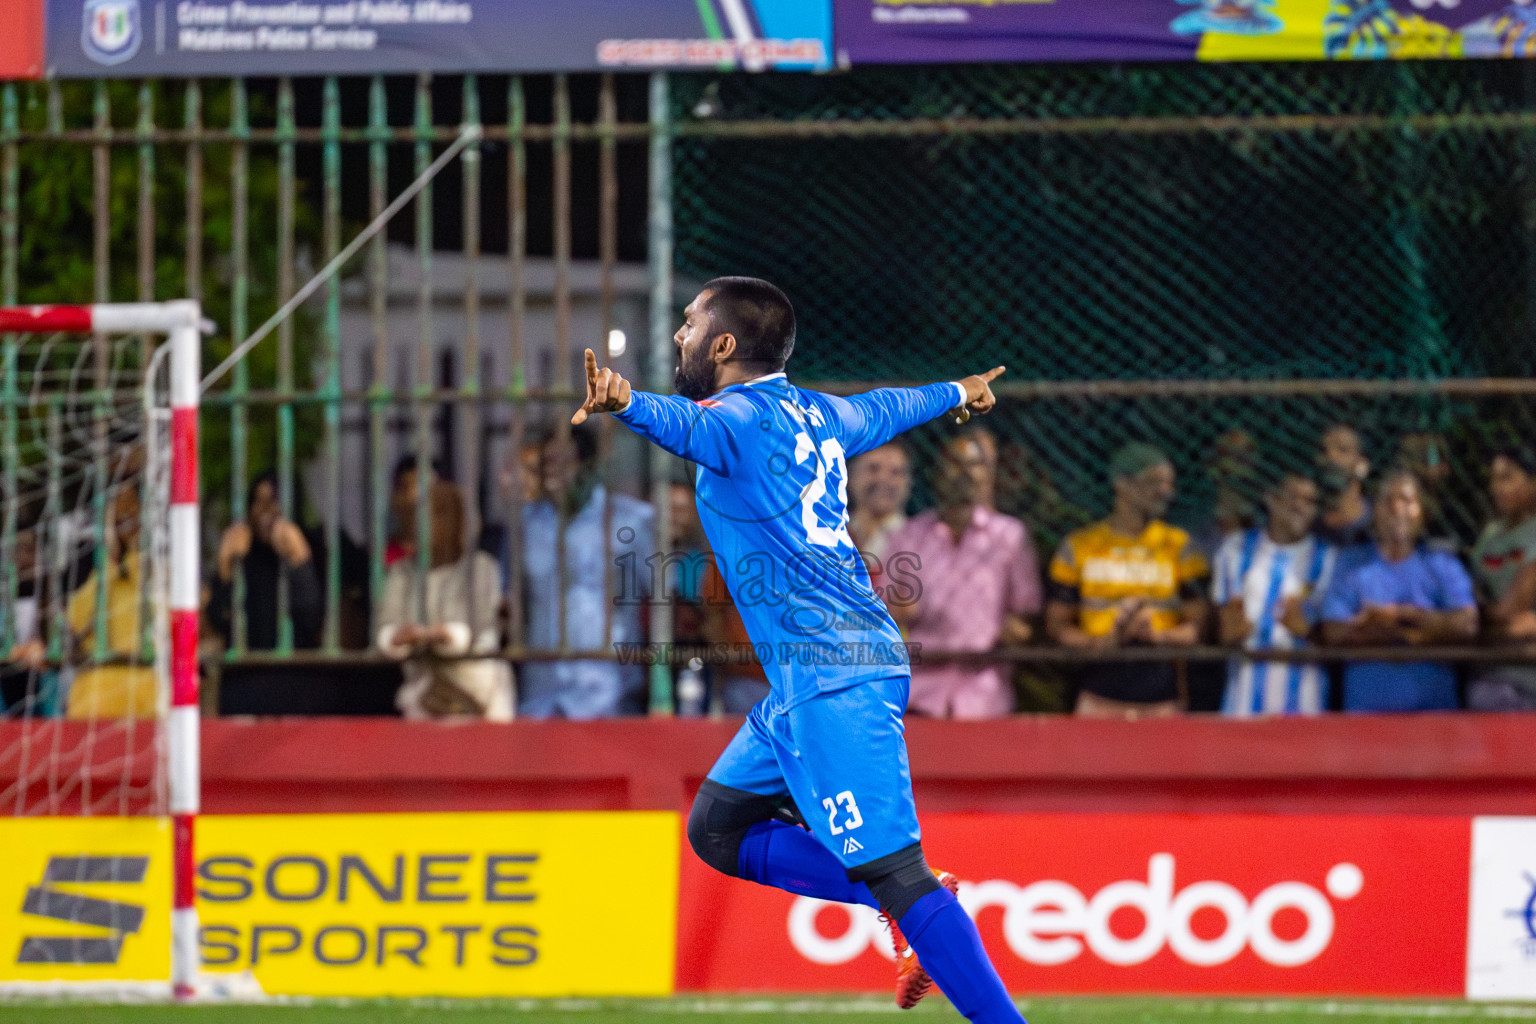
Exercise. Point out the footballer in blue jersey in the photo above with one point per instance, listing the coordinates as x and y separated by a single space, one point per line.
813 795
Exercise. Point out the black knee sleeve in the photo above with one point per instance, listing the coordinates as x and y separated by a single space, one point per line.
897 880
720 818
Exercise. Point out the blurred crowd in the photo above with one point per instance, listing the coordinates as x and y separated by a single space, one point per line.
1294 565
1295 562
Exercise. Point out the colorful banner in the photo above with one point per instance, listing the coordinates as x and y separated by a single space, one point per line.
547 904
526 904
963 31
85 900
21 40
174 38
1110 903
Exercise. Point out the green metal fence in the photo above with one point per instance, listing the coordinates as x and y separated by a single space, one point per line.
108 194
1170 253
1277 246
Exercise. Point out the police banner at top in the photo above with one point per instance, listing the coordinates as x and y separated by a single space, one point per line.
221 38
962 31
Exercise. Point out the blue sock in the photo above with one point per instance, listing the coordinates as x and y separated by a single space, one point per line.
950 950
779 854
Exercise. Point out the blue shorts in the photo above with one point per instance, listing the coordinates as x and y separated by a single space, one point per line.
842 757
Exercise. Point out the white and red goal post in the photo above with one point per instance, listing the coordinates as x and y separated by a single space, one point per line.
181 323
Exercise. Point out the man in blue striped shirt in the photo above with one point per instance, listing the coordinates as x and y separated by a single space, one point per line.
1268 583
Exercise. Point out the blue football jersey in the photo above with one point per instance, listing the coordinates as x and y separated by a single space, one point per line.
772 493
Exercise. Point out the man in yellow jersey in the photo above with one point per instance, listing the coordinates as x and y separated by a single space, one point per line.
1129 580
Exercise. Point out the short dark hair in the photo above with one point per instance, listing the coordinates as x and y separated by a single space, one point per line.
588 445
407 464
758 314
584 439
1521 455
973 432
898 443
1271 475
1387 482
269 476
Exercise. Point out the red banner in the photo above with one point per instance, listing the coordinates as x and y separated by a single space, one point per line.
1130 903
21 40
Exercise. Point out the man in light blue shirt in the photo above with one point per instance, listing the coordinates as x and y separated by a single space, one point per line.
583 687
1268 584
1395 592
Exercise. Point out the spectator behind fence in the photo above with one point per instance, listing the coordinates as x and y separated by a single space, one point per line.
1129 580
404 492
28 686
521 473
113 691
270 549
1398 591
687 555
977 581
456 616
1342 470
518 484
682 573
1504 565
599 583
1025 489
879 484
1233 467
703 611
1426 455
741 681
1268 585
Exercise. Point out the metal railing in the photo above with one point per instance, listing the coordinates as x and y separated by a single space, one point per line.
279 189
257 181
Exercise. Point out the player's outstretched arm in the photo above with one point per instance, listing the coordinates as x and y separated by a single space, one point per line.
979 399
698 432
606 391
879 415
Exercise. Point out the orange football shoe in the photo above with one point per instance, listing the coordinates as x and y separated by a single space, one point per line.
912 982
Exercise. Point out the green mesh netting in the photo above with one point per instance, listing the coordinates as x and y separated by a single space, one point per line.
1358 221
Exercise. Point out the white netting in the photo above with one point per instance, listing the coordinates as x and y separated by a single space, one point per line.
83 542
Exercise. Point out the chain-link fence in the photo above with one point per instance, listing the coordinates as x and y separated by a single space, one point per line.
1272 224
1222 260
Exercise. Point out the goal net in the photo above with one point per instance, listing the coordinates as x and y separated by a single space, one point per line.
98 634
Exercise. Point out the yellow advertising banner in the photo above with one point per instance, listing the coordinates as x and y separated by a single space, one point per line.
85 900
486 904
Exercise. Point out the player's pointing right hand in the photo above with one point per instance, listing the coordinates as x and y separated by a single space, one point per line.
606 391
978 394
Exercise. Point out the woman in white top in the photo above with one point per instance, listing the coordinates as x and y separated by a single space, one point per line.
461 600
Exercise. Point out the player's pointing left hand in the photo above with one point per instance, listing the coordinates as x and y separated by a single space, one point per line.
606 391
979 398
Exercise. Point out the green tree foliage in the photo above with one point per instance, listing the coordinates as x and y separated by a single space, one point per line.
57 231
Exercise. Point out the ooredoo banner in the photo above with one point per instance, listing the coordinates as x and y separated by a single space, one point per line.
1109 903
542 904
171 38
21 39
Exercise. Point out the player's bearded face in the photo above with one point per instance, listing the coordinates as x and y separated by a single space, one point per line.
695 375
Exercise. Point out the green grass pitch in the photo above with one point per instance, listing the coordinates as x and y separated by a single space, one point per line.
746 1010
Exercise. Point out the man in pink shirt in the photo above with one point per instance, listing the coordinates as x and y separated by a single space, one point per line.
976 580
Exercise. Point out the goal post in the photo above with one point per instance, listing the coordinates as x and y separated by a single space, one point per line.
176 625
